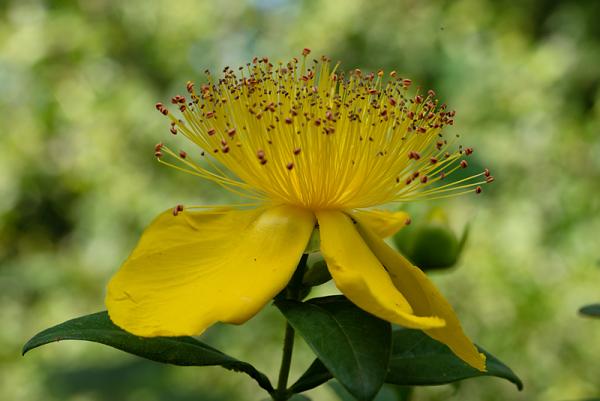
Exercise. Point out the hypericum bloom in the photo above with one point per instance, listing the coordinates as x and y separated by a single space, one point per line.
308 147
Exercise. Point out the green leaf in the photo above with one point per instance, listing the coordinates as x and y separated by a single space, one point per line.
419 360
352 344
182 351
314 376
590 310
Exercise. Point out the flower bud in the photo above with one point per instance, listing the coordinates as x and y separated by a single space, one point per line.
431 244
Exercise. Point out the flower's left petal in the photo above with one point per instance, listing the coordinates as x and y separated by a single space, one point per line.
192 270
384 223
424 298
360 277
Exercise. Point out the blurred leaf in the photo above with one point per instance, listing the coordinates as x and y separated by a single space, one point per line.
592 310
352 344
181 351
419 360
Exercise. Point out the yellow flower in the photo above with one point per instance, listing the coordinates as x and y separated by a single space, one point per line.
307 146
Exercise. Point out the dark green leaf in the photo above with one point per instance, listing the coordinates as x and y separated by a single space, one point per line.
591 310
314 376
352 344
182 351
419 360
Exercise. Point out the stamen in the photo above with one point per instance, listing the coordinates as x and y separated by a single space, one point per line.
353 137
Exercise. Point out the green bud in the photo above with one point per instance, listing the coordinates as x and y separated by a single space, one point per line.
314 243
431 244
317 273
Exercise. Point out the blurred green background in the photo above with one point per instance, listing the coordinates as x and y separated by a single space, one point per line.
78 181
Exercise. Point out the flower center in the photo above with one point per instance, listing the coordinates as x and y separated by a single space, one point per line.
303 134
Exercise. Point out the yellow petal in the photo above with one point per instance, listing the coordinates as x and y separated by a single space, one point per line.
359 275
192 270
384 223
424 298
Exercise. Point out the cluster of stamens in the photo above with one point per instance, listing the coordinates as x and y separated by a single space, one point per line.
313 137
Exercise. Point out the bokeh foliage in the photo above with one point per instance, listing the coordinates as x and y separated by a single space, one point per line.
78 181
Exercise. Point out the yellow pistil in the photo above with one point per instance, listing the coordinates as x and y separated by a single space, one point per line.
310 137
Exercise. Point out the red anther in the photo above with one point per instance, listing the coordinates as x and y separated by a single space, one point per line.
433 160
182 108
158 147
414 155
415 174
383 113
418 99
407 221
489 180
260 154
289 166
189 86
263 161
173 130
329 115
408 181
452 113
223 142
486 172
442 175
288 120
265 60
177 209
182 154
478 190
464 164
439 145
393 74
211 131
468 151
424 179
231 132
158 154
373 91
210 114
161 107
406 82
431 93
297 151
422 130
225 149
392 101
305 51
318 122
410 115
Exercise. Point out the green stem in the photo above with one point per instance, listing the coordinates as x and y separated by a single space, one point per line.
293 291
286 361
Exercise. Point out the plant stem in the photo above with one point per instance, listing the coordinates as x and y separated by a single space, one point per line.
293 291
286 361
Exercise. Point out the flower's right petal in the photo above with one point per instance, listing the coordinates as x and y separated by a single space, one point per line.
425 298
361 277
192 270
384 223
